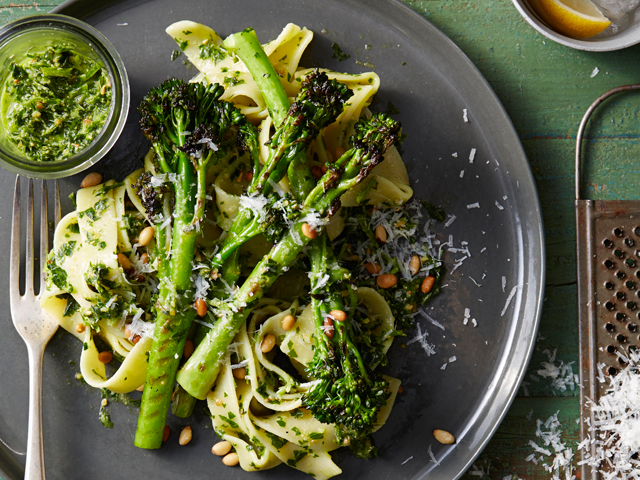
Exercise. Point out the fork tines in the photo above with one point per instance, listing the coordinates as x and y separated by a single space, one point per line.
29 241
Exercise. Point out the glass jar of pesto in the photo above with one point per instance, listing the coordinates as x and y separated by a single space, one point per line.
64 96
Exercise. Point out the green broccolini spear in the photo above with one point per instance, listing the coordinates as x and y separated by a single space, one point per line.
246 46
183 404
190 129
318 104
347 394
371 139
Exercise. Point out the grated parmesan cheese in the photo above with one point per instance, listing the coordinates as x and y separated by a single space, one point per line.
451 218
434 322
432 456
613 442
472 155
256 203
509 298
422 339
556 458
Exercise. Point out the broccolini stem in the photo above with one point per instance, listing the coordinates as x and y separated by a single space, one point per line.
248 48
199 373
183 404
184 233
169 336
318 103
175 315
246 45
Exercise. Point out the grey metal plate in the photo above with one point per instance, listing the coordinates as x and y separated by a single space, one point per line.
431 90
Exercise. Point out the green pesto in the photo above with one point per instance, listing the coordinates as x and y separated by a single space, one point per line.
55 102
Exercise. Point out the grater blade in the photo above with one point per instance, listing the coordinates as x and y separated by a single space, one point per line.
608 269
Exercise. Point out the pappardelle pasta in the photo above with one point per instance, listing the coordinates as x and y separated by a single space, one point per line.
265 256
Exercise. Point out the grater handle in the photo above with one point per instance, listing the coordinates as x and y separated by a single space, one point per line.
583 126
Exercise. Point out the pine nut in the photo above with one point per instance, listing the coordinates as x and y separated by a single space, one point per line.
144 258
414 264
185 435
91 180
338 315
372 268
124 261
201 307
268 342
221 448
309 232
187 351
324 169
240 177
127 332
231 459
165 434
140 388
427 283
80 328
249 176
444 437
400 389
381 234
316 171
328 327
136 339
239 373
339 152
288 322
105 357
145 236
387 280
219 402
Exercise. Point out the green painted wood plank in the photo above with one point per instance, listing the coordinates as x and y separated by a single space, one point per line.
506 453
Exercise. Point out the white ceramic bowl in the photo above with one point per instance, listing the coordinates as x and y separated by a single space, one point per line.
603 42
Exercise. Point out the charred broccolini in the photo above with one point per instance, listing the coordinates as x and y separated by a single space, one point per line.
346 393
318 104
190 129
372 138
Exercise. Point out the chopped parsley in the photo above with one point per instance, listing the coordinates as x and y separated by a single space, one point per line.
210 51
391 109
338 54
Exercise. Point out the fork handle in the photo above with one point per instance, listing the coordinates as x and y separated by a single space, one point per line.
34 468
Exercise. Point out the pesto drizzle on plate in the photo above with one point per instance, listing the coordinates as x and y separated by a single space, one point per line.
55 102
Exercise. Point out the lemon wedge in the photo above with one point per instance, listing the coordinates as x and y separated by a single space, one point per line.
573 18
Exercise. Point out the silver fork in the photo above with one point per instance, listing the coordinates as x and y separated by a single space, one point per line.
34 326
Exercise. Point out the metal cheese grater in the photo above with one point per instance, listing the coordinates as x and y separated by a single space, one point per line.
608 249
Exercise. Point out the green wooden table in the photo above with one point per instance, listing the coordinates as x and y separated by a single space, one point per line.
545 88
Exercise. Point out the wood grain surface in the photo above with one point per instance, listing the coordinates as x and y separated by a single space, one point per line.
545 88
